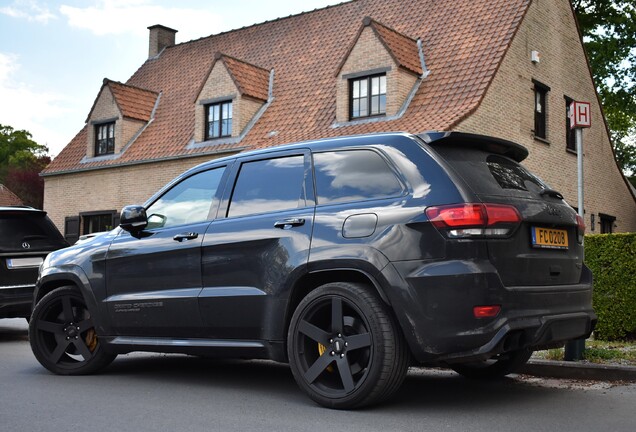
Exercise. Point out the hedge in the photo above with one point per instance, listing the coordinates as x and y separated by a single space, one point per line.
612 259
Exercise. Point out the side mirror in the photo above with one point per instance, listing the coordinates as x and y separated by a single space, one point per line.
133 218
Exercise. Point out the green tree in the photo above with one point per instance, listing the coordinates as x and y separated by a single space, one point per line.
21 160
609 34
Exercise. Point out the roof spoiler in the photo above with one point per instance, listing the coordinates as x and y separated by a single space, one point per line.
21 209
500 146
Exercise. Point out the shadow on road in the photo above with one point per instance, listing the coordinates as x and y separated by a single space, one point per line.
432 389
13 329
198 371
422 388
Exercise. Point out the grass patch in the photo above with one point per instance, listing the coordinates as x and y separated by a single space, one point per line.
602 352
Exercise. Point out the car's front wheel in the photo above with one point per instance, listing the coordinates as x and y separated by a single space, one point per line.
62 334
345 349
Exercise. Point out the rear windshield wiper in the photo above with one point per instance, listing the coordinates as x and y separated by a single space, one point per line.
551 192
33 237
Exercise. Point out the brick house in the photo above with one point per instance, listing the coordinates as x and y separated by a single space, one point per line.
506 68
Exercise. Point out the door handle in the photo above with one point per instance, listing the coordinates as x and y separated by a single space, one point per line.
288 223
185 236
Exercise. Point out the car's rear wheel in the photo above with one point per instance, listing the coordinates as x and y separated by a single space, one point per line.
495 367
345 349
63 337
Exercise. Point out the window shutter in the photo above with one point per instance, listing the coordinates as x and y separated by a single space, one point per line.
71 228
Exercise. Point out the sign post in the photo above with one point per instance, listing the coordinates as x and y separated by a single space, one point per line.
580 117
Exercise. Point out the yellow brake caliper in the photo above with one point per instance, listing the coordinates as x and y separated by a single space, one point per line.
91 340
321 351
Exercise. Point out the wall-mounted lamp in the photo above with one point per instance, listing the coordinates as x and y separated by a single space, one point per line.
535 57
592 218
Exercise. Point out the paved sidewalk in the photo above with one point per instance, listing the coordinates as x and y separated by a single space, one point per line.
579 370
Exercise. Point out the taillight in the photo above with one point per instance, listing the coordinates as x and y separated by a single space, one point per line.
580 229
486 311
475 220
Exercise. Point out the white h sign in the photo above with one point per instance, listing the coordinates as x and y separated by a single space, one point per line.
580 115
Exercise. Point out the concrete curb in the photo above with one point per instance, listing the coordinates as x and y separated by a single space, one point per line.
579 371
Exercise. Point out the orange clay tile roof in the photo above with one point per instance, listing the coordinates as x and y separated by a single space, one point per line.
251 80
133 102
464 41
8 198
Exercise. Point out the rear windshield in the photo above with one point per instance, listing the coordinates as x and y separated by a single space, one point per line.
23 232
491 174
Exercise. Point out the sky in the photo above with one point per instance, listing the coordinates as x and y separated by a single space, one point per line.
55 54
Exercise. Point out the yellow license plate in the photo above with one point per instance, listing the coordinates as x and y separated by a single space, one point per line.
549 238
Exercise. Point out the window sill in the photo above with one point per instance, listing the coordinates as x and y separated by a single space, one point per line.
215 142
374 116
543 140
365 120
101 158
210 139
574 152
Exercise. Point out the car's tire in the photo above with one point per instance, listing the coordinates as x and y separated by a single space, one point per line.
496 367
345 349
63 337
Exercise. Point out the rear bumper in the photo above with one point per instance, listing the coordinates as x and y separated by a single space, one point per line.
16 300
434 305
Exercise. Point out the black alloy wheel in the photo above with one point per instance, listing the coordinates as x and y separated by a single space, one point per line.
495 367
345 349
62 334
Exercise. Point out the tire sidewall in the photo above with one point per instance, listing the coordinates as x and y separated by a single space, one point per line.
97 361
378 351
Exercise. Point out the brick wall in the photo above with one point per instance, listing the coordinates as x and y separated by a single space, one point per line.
405 82
507 111
248 110
109 189
129 128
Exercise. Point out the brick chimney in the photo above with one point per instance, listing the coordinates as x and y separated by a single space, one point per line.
160 38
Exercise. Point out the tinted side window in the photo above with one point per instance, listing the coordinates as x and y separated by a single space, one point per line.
189 201
269 185
353 175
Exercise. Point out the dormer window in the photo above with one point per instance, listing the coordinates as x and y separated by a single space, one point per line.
368 96
232 97
379 75
119 115
219 120
105 139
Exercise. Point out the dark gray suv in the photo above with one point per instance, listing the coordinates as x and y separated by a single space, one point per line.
27 235
350 258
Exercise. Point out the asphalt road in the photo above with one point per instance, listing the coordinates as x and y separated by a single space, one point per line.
151 392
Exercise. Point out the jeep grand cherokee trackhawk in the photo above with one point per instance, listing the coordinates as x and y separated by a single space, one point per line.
350 258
